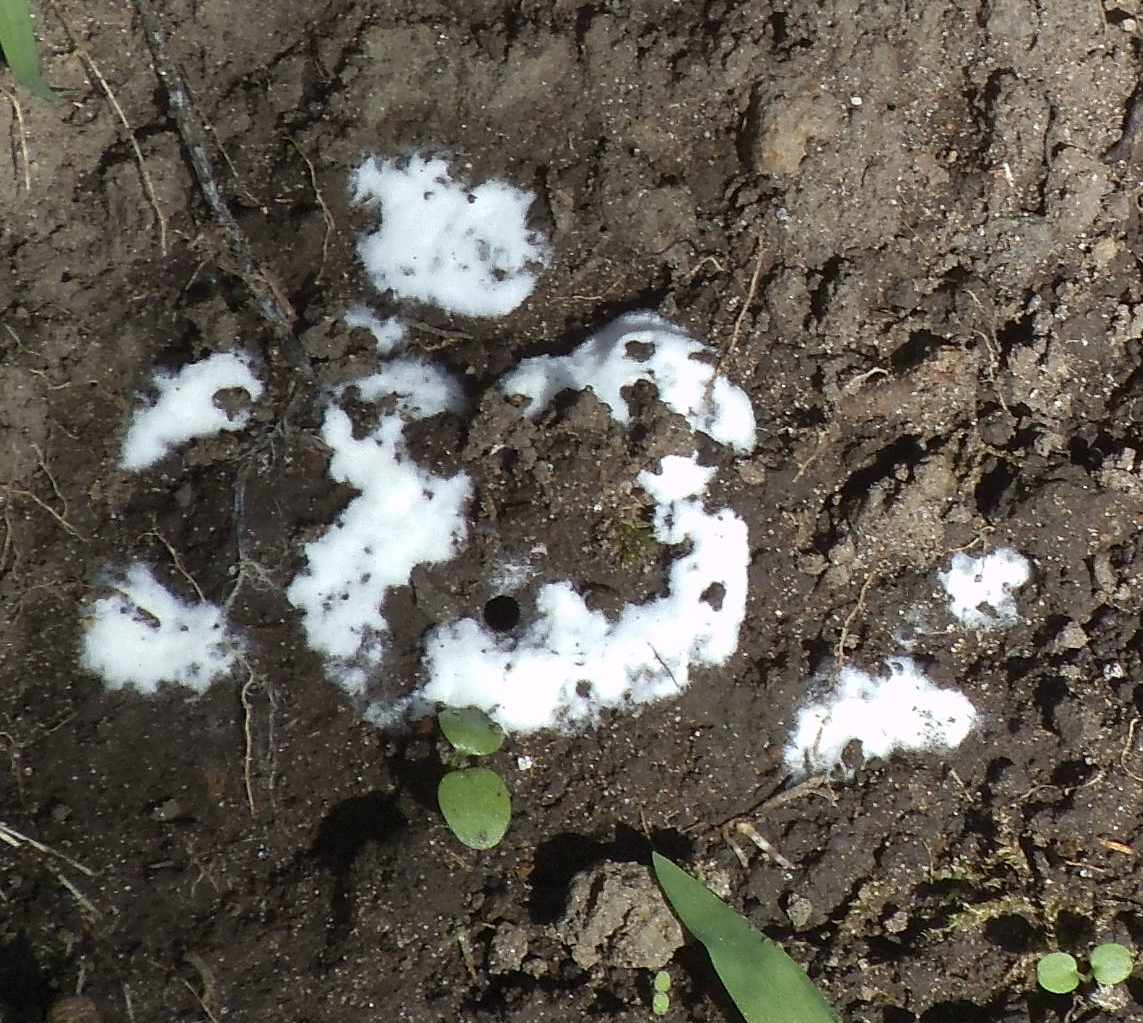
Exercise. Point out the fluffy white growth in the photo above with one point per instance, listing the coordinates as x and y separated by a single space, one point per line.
389 334
899 711
143 635
618 356
402 517
980 589
467 250
571 662
422 388
185 408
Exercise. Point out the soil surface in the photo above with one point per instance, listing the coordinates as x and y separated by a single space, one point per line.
912 228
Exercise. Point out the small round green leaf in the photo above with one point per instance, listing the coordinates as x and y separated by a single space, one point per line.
660 1003
1111 963
1058 972
663 981
476 806
471 731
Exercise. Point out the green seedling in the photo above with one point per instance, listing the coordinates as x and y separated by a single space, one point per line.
1059 973
764 983
471 731
661 999
474 800
20 49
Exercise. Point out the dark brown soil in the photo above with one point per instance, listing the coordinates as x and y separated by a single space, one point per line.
914 226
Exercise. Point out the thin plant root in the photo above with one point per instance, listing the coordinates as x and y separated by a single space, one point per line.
92 67
852 617
740 319
327 217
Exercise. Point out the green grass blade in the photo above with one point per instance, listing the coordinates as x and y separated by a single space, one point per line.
765 983
21 51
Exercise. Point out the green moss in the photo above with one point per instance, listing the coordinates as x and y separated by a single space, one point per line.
633 544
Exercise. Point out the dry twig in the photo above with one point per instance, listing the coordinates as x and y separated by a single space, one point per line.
21 138
268 294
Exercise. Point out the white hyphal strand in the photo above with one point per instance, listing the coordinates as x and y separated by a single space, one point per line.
980 589
606 363
466 250
185 409
142 635
402 517
571 662
899 711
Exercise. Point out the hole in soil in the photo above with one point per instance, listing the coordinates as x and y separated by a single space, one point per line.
992 487
822 292
962 1011
1134 923
1085 455
1015 332
559 859
777 23
1071 773
905 451
921 344
1137 698
997 768
502 613
23 983
1050 693
1012 933
895 1014
1074 930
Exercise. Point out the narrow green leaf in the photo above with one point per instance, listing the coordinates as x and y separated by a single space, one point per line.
21 51
476 806
765 983
470 730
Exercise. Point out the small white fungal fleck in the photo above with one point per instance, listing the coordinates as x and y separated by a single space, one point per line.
143 635
185 408
902 710
980 589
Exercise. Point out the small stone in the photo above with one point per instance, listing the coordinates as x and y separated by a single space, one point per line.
897 923
1071 637
509 949
812 563
800 911
1104 250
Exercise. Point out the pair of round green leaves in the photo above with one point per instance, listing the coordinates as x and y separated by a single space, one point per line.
474 800
1059 972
